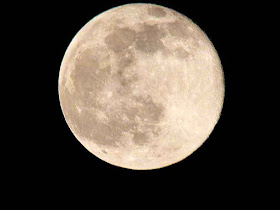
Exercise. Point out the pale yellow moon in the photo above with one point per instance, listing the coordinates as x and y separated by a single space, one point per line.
141 86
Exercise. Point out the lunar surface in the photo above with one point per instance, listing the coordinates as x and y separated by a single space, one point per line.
141 86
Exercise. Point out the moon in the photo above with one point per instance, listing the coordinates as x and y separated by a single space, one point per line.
141 86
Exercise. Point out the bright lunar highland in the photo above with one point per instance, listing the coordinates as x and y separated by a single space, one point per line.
141 86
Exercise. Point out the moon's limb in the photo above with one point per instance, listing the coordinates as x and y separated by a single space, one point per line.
141 86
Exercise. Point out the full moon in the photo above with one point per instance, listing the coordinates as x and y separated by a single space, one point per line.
141 86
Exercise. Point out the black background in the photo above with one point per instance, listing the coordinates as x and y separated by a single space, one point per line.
56 158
